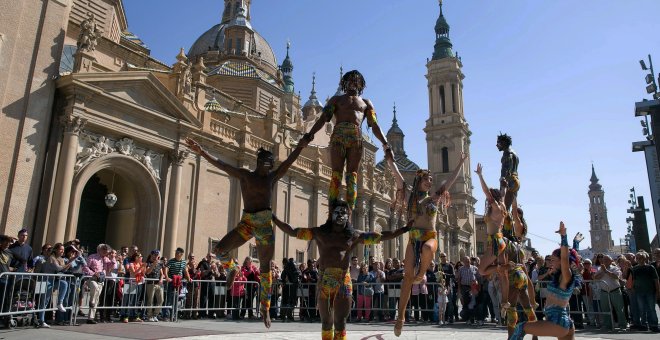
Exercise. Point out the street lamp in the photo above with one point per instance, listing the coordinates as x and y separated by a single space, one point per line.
651 85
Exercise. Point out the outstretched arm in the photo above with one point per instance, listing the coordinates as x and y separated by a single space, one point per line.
371 238
281 170
566 274
518 227
197 148
300 233
370 115
447 185
326 116
400 195
484 186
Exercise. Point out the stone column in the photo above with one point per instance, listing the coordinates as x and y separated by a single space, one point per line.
72 126
172 224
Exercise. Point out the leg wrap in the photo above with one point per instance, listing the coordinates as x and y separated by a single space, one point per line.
333 191
351 189
531 316
327 334
511 317
340 335
265 289
227 261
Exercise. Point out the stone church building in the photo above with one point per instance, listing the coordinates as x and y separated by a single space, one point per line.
93 130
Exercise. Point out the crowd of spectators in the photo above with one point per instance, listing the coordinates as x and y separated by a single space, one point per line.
124 286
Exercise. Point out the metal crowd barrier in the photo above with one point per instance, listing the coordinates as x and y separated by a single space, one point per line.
27 296
124 297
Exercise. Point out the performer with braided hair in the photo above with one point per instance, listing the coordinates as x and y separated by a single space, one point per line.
565 278
257 190
349 110
423 208
336 240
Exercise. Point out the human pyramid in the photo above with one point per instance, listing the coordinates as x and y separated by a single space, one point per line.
506 228
336 238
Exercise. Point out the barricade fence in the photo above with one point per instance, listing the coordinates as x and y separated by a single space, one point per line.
27 296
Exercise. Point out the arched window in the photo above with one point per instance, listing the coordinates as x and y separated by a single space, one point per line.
442 99
445 159
453 97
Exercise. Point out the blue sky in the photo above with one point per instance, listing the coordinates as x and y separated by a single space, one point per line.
560 76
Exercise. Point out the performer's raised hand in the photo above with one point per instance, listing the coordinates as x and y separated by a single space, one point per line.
479 169
578 237
562 228
193 145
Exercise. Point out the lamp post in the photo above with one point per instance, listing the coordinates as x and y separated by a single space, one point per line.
650 130
640 233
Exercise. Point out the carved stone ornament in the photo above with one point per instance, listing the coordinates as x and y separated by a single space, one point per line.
73 124
92 147
89 33
179 156
125 146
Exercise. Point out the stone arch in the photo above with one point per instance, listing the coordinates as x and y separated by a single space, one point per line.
147 201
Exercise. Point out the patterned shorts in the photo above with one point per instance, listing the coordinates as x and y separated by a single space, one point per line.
517 277
422 235
258 225
513 183
346 136
335 281
497 243
558 315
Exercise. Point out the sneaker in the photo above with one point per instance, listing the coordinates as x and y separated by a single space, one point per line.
137 319
43 325
60 308
124 320
155 319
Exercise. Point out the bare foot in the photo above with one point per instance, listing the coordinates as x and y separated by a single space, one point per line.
265 315
398 326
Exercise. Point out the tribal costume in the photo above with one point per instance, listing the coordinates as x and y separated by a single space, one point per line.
258 225
497 242
345 136
335 281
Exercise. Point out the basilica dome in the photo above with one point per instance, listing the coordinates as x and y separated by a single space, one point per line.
214 40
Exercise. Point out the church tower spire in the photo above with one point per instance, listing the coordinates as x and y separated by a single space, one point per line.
395 137
312 107
599 226
287 71
447 136
443 46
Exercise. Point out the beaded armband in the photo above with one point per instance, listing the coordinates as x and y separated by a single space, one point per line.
370 114
371 238
304 234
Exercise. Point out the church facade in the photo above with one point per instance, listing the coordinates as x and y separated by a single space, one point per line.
94 130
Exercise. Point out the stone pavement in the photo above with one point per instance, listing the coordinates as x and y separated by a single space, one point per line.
254 330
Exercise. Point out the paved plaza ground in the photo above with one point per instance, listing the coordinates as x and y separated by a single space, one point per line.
254 330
